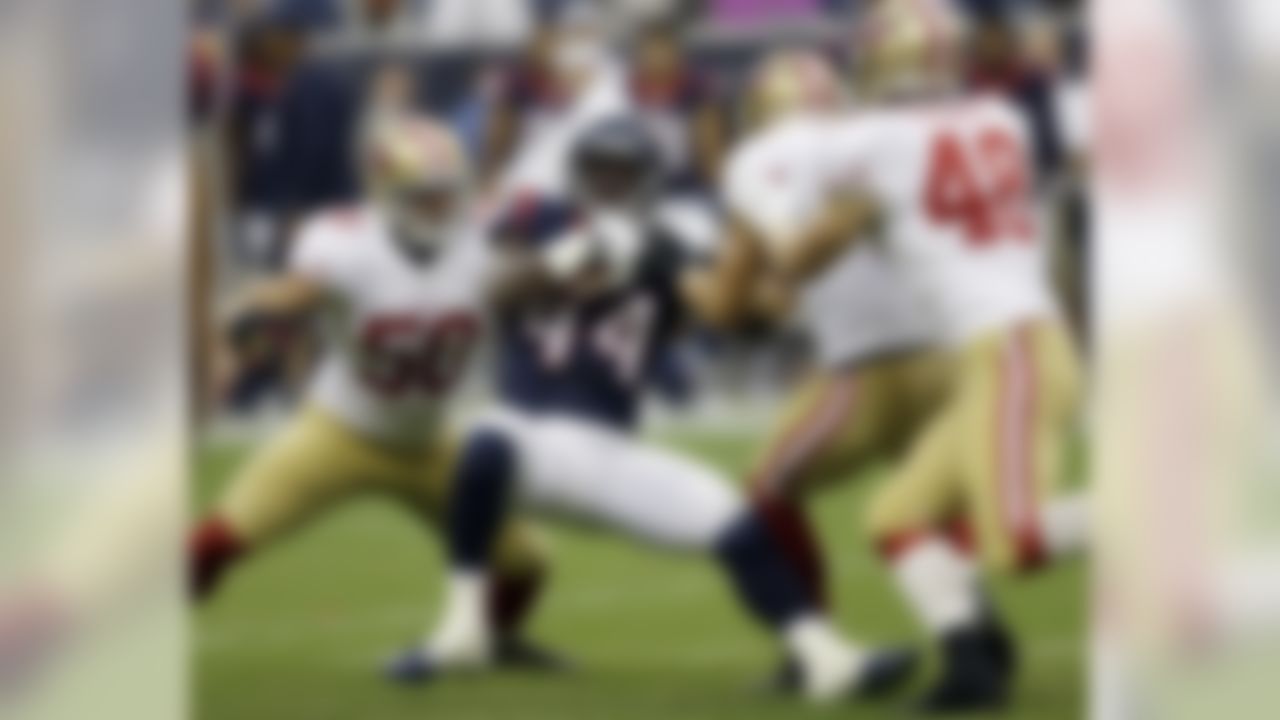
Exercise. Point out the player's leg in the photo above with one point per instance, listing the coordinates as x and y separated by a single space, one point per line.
1020 418
917 523
476 508
1065 516
605 478
1010 424
815 418
518 552
312 464
667 499
837 424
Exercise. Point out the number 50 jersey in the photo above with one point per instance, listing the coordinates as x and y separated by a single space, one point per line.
398 334
953 179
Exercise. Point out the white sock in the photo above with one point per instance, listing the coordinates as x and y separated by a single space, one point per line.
828 662
463 636
1065 522
940 584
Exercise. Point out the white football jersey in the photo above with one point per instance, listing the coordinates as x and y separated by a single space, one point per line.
859 307
954 181
398 334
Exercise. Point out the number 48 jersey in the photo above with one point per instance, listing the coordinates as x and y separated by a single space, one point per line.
953 180
398 334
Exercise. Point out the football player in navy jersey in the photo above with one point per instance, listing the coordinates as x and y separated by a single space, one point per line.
573 365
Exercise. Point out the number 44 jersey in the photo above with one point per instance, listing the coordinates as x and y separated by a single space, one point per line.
398 333
591 358
953 180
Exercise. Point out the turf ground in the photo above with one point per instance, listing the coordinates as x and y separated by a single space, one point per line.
299 633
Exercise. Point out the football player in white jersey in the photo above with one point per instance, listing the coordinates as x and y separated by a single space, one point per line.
877 374
941 181
398 287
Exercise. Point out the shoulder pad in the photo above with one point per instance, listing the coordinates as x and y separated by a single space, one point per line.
534 221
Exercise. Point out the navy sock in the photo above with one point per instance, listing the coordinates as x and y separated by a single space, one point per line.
480 497
767 586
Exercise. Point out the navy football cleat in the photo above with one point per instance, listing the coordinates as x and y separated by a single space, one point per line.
886 671
785 679
514 653
412 667
976 675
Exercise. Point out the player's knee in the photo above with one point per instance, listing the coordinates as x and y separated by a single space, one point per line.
523 551
488 460
771 483
746 537
881 521
892 532
1024 554
214 548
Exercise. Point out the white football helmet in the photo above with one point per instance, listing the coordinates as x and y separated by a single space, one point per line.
416 170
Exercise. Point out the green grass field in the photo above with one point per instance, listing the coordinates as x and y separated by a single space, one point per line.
300 632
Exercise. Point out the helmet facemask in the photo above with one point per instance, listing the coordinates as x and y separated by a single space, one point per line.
617 166
416 172
613 183
424 218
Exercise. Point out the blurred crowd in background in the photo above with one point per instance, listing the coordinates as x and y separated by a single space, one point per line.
279 89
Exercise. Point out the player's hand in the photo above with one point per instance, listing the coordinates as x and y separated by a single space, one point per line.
619 240
223 370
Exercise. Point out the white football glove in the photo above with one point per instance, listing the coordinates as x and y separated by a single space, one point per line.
614 240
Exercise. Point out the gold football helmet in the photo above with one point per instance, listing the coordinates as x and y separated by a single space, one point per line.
416 170
791 81
908 48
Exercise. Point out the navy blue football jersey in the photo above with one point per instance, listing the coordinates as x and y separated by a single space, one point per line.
593 358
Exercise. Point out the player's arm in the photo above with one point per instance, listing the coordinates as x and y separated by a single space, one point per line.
287 296
844 220
316 267
519 277
572 265
723 294
709 135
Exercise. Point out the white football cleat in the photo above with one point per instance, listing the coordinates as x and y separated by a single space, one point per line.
463 639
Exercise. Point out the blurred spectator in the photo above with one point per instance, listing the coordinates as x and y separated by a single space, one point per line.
381 24
639 13
239 13
206 63
323 107
678 103
540 89
1001 62
292 125
267 53
473 115
576 81
393 88
476 24
530 96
